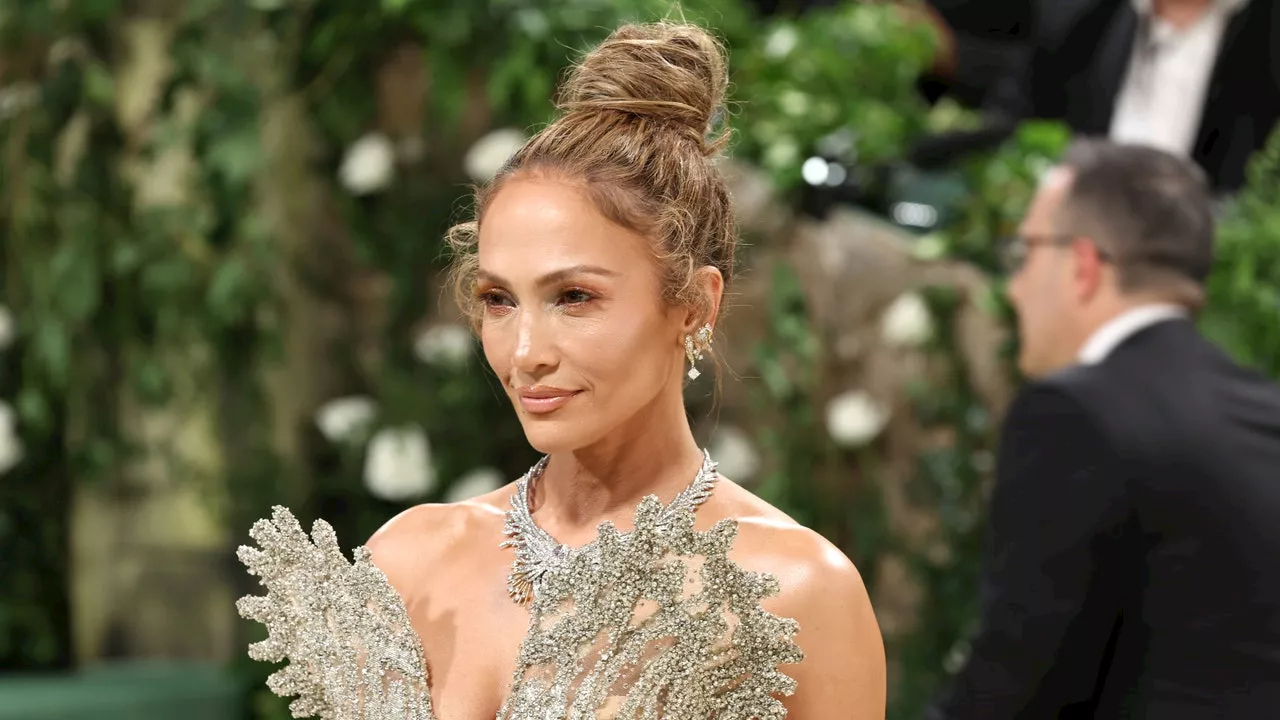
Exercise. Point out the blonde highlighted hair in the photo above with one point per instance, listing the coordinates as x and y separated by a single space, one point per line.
636 135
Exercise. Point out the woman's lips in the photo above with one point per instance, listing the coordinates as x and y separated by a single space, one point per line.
540 401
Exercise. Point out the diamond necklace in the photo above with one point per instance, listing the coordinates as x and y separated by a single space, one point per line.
538 554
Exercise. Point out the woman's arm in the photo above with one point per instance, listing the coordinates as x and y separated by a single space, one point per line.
843 674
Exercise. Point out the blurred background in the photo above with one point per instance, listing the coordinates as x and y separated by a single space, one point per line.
221 289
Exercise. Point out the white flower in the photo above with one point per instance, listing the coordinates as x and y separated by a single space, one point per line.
369 164
781 42
732 449
906 322
930 247
346 419
475 483
8 328
491 152
397 466
18 97
444 345
855 419
794 102
10 443
956 657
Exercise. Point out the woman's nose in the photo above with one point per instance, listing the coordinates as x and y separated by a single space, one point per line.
533 353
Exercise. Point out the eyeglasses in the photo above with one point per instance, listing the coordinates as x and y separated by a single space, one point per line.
1014 250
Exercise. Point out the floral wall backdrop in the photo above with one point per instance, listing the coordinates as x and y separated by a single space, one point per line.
221 288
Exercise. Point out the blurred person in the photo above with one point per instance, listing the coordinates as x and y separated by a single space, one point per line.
777 8
1198 78
595 270
979 40
1130 569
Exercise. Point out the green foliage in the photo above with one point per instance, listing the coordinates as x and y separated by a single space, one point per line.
1000 185
787 365
1244 290
838 78
115 282
142 250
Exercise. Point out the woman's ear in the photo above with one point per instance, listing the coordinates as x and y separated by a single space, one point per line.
710 290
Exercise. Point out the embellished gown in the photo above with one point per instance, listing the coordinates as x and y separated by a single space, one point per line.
652 623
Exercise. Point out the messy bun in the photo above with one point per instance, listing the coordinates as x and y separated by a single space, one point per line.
636 133
668 73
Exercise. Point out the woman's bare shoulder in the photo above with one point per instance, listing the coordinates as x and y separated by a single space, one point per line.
434 534
822 590
771 541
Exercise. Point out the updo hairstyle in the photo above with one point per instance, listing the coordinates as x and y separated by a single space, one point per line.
635 133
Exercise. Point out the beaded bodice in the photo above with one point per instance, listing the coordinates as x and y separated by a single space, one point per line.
652 623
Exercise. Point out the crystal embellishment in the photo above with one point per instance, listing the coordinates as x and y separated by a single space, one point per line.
537 553
653 623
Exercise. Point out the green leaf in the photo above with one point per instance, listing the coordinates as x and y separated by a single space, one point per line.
228 291
237 156
52 350
33 408
99 84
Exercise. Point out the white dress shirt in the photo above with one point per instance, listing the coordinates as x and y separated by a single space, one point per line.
1162 97
1121 327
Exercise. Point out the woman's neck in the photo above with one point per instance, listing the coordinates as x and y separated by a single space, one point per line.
653 454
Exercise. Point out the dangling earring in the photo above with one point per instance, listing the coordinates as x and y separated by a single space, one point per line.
695 347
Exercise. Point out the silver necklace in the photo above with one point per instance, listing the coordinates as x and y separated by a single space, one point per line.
538 554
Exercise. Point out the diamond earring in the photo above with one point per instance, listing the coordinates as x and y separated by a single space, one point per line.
694 347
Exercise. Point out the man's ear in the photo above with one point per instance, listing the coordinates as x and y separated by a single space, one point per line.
1090 268
709 284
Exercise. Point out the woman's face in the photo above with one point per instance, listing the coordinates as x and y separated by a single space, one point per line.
574 323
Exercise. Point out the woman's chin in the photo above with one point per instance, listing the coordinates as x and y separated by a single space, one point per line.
551 436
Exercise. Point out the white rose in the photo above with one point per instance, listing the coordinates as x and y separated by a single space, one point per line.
733 451
906 322
444 345
397 466
8 328
10 443
475 483
369 164
855 419
487 156
781 41
346 419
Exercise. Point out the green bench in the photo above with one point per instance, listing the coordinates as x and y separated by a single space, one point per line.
125 691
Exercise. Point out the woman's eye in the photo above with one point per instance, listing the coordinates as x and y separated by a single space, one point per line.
494 299
576 297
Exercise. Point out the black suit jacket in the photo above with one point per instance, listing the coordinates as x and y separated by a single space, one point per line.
1079 62
1074 66
1133 562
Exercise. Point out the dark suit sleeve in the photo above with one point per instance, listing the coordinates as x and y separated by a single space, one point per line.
1031 85
1048 603
1012 97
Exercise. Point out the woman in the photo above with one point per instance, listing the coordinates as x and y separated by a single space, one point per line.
595 269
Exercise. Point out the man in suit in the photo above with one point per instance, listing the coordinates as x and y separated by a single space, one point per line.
978 41
1199 78
1133 557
